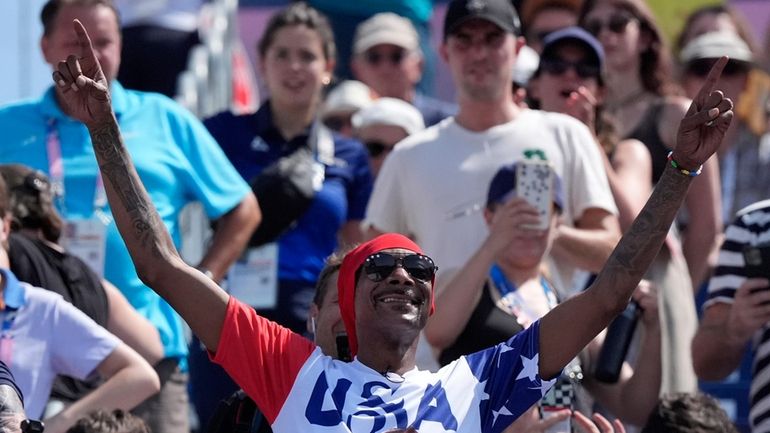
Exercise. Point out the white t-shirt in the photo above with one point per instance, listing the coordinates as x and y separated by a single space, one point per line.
433 186
48 336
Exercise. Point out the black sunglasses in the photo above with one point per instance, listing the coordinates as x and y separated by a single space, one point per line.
379 266
377 148
616 24
557 66
375 58
701 67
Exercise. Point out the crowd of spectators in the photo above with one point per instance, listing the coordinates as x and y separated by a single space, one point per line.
383 260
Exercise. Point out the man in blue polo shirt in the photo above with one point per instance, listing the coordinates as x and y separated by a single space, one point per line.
177 159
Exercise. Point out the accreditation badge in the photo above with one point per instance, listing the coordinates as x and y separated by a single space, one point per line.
253 279
87 240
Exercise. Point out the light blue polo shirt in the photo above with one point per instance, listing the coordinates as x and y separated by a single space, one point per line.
44 336
176 158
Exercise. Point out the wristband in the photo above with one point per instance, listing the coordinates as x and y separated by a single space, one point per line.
679 168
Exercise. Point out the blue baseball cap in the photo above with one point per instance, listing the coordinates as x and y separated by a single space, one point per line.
576 34
503 187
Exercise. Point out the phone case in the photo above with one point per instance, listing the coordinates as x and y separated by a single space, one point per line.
534 183
757 259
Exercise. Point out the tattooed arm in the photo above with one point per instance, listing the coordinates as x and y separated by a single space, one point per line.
84 94
571 325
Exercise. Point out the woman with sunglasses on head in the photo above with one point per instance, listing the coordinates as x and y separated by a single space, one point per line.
643 100
504 287
296 59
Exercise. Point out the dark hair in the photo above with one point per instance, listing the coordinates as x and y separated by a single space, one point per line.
5 202
332 265
655 62
116 421
52 7
299 14
743 30
688 413
30 201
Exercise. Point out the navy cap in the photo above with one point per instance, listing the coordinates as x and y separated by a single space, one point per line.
503 186
498 12
577 34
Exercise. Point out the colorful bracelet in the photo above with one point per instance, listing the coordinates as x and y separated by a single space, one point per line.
684 171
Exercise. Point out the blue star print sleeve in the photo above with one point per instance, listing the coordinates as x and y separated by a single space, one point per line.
510 374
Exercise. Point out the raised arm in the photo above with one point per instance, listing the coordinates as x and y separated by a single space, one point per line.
571 325
84 91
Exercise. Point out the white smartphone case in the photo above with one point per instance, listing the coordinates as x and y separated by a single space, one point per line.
534 183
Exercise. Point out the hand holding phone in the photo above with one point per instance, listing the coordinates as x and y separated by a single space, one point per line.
757 260
534 183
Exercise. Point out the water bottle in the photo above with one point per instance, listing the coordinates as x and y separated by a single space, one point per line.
616 344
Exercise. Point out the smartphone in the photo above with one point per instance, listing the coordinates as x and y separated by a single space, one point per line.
757 260
534 183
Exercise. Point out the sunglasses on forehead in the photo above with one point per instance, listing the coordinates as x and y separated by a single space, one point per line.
557 66
702 67
379 266
616 23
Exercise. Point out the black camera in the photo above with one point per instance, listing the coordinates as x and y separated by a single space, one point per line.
757 259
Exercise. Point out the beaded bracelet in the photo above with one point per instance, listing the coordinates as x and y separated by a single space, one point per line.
684 171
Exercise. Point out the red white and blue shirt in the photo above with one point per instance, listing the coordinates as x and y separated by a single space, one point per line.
299 389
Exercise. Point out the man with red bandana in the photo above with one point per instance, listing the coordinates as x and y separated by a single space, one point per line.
386 295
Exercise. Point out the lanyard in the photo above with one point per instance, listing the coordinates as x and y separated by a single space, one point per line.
56 170
507 291
9 316
6 339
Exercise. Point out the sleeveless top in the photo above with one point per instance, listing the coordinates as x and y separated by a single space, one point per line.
34 262
487 327
647 132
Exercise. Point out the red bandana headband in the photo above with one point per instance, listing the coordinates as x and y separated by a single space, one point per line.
346 283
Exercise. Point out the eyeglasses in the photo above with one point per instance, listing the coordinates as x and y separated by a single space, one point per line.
379 266
616 24
377 148
557 66
395 57
701 67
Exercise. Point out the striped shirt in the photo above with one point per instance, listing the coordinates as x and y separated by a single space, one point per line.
750 227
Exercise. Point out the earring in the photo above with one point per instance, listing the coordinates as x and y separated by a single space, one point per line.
326 80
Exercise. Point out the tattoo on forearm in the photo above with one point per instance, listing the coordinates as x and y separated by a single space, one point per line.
147 228
639 246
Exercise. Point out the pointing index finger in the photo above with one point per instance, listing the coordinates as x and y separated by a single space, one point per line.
711 81
84 41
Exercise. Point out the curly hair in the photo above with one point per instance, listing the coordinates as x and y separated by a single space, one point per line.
688 413
30 201
116 421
